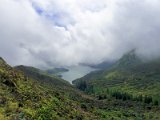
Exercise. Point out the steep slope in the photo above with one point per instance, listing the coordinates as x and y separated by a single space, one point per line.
128 61
23 98
52 82
103 65
129 79
26 98
42 76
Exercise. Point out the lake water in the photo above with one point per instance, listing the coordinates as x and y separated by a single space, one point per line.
76 72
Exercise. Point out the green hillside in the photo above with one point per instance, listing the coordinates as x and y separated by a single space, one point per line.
42 76
24 98
56 71
129 74
129 79
27 93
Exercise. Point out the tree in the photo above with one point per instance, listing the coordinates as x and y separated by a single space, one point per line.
156 102
82 85
147 99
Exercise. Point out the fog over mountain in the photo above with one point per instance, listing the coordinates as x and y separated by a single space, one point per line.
69 32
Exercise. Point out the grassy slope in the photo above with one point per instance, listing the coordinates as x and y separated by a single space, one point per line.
129 75
23 98
42 76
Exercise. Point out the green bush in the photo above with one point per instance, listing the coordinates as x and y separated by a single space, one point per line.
147 99
156 102
44 113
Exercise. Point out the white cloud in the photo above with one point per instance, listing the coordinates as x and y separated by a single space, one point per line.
69 32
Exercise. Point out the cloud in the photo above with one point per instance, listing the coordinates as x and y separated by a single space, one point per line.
68 32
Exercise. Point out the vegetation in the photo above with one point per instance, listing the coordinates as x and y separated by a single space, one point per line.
129 90
42 76
130 82
26 98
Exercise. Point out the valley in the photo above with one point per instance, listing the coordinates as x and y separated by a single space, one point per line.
79 60
129 89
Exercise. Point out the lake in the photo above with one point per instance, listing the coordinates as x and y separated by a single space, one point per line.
76 72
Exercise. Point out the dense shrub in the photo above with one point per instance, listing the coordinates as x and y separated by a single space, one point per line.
102 97
123 96
156 102
147 99
82 85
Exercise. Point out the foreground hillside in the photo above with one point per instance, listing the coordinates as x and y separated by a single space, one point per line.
23 98
27 93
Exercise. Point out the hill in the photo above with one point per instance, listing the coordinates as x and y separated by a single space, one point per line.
42 76
56 71
30 94
129 79
24 98
103 65
131 72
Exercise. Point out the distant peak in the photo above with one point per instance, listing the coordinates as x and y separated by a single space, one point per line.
132 52
129 59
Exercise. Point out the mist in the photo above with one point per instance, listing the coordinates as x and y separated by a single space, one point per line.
47 33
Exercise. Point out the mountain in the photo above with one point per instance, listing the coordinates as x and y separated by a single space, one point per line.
28 93
128 72
24 96
128 61
129 79
29 70
42 76
56 70
103 65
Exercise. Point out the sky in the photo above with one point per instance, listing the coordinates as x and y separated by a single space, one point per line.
45 33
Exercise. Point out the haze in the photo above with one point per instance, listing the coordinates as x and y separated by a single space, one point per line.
47 33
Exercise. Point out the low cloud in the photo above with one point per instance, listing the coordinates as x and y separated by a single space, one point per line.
47 33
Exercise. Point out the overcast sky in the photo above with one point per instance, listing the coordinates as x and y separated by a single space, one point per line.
69 32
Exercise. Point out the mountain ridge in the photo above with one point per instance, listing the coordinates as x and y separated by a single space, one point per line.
31 94
129 74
